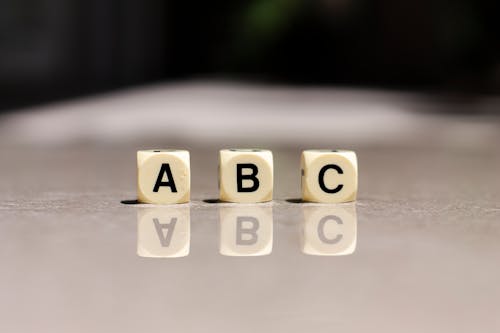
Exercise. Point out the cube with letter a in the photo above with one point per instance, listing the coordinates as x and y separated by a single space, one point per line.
163 176
329 176
246 175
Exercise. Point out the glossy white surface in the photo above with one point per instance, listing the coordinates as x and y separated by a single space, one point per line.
427 234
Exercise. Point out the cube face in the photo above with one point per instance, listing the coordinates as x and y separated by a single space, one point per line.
329 230
246 175
245 231
329 176
163 176
163 232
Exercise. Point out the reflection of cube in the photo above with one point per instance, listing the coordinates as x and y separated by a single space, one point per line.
163 232
163 176
329 230
246 175
246 231
329 176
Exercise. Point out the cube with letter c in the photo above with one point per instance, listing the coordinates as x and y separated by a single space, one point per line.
329 176
246 175
246 230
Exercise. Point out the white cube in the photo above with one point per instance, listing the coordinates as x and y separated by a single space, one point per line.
163 176
329 230
246 175
329 176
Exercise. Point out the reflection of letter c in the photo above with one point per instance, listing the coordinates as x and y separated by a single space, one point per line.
321 229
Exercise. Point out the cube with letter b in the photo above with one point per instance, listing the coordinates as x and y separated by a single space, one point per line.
163 176
246 175
329 176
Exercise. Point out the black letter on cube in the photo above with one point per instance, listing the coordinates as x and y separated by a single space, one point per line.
321 178
165 168
240 177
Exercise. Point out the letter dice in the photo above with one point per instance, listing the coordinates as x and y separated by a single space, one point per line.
246 175
329 176
163 176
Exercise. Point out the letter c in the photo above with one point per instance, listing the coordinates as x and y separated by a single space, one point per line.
321 178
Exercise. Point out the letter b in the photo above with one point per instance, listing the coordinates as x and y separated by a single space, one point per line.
246 175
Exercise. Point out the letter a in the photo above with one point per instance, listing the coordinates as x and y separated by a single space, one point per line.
165 169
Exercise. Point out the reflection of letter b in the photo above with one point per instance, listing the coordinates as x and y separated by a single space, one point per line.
163 232
246 235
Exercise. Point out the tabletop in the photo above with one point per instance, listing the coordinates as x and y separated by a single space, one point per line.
418 251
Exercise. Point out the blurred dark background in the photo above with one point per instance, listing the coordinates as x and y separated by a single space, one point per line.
53 49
